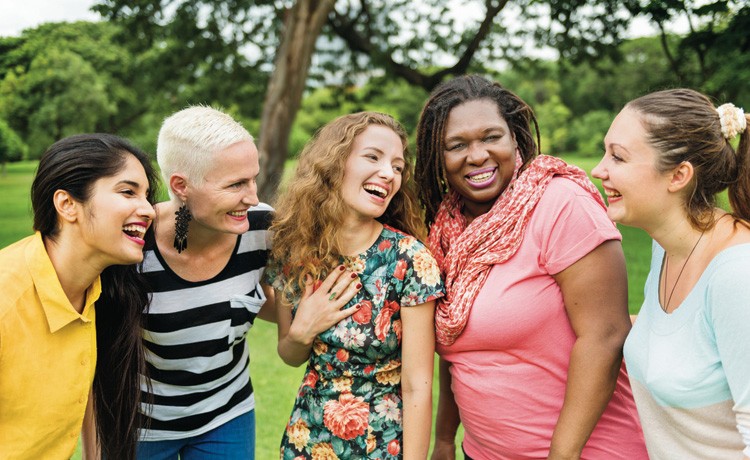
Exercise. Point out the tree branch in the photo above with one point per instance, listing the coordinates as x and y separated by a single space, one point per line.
347 31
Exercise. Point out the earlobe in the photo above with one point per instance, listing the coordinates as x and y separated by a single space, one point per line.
66 206
681 176
178 184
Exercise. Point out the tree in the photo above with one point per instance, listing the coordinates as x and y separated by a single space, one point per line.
714 54
12 147
354 40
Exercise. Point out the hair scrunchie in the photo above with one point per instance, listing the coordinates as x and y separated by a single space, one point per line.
732 120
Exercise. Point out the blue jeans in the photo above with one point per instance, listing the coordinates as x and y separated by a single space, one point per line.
234 440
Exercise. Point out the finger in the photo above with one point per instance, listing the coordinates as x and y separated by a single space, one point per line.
308 286
345 280
349 292
332 278
347 312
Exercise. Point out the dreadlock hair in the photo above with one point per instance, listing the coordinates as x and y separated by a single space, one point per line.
431 180
311 211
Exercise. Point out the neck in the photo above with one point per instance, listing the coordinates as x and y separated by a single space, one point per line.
356 237
76 271
676 235
199 239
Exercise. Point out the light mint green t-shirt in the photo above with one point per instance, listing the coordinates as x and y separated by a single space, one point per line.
690 370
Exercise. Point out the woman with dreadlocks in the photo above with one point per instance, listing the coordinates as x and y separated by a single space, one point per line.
531 329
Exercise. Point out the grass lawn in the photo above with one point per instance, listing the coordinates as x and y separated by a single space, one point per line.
276 383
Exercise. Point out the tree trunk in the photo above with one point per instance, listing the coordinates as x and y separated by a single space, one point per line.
302 27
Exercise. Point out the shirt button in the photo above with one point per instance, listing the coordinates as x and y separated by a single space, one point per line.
83 362
82 400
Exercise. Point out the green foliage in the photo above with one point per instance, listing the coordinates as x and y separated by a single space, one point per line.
587 133
12 148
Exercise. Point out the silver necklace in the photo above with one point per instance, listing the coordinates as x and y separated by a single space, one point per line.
666 273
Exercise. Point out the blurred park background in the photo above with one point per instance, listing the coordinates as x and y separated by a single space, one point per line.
286 67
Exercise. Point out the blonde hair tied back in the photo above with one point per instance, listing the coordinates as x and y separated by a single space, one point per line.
732 120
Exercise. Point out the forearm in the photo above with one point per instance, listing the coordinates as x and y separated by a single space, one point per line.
448 419
417 422
592 376
294 350
89 439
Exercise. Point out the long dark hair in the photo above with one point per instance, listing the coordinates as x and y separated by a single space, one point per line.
74 164
430 171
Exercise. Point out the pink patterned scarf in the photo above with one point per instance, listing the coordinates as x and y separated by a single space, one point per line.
466 254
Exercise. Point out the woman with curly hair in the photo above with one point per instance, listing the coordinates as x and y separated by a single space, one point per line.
346 258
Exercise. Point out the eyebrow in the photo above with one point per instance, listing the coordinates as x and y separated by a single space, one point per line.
484 131
132 184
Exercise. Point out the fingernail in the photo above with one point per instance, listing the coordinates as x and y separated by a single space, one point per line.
358 286
354 275
341 267
359 305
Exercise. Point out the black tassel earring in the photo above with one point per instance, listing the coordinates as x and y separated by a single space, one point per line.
181 228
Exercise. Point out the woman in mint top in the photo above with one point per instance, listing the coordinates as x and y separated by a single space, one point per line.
667 155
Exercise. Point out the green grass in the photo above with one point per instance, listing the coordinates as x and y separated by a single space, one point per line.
276 383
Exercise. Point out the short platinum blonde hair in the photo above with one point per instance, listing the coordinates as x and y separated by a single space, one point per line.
188 140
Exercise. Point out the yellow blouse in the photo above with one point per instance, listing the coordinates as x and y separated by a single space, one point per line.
47 356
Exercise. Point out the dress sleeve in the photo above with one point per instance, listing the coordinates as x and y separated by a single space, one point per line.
419 273
569 223
273 275
728 309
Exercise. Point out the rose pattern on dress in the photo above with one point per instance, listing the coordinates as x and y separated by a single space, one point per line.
350 397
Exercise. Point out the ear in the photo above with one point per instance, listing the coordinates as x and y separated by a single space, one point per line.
178 183
681 176
67 207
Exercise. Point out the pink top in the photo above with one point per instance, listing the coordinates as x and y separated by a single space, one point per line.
510 363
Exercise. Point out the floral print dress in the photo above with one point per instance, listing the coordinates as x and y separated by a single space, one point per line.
349 403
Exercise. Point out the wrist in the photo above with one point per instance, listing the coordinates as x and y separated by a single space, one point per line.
298 336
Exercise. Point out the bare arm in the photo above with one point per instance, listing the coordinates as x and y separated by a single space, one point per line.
595 293
448 419
318 310
89 438
417 360
268 309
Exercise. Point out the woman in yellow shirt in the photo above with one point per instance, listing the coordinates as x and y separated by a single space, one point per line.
91 199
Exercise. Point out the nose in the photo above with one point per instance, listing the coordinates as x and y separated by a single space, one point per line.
477 154
599 170
386 171
146 211
251 197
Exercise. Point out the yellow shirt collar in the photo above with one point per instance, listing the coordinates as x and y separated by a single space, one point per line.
57 308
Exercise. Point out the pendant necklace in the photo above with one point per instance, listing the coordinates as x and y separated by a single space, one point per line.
666 273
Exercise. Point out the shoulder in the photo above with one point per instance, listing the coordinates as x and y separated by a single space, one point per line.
561 191
15 277
260 216
730 269
403 242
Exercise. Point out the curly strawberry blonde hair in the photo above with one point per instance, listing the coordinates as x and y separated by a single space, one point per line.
311 211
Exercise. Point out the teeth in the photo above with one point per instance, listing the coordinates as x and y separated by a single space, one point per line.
135 230
481 177
237 213
380 191
611 194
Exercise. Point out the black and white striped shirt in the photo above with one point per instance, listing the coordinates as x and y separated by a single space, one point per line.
196 353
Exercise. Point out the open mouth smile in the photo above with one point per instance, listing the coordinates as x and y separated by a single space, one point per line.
136 232
376 190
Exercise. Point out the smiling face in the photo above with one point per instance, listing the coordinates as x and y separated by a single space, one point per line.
637 193
372 173
480 154
220 201
116 216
